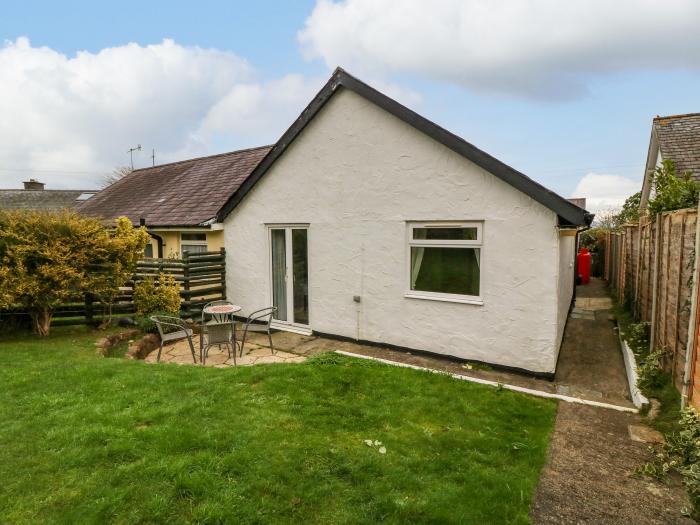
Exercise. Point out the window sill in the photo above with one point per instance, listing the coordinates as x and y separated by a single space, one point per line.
412 295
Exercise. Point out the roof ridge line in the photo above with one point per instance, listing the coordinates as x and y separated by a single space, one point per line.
44 191
202 158
680 115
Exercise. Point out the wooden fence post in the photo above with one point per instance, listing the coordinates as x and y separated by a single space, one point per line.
679 307
186 271
89 311
655 283
223 272
638 276
692 343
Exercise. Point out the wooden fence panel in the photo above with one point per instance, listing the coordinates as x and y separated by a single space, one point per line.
648 239
650 265
202 278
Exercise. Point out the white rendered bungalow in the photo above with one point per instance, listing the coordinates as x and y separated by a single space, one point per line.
367 221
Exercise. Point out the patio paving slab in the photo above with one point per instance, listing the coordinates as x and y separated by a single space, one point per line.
179 353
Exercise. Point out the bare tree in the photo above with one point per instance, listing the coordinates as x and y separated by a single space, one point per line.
118 173
606 219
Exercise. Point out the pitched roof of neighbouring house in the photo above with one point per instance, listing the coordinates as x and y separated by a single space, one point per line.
185 193
569 213
42 199
678 137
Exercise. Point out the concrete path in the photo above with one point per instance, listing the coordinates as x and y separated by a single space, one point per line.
590 360
589 477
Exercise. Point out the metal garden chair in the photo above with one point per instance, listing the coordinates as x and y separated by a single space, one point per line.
259 321
218 328
172 328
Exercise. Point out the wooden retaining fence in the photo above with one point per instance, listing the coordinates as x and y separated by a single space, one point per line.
651 267
202 278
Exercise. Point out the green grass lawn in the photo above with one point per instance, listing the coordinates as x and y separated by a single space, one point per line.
85 439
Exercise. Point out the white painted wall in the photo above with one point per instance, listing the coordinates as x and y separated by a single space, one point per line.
356 174
565 282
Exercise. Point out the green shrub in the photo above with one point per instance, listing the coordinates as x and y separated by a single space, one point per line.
163 295
52 258
637 336
672 191
651 372
681 454
144 323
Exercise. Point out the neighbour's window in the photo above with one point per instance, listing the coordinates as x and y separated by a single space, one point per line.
193 242
445 259
148 252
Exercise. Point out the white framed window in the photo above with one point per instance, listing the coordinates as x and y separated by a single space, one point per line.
444 261
193 242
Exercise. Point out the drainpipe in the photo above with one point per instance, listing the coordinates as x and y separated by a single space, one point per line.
158 238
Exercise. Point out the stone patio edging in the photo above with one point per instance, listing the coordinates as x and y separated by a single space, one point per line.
514 388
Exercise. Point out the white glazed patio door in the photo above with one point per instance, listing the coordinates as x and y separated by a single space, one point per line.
290 274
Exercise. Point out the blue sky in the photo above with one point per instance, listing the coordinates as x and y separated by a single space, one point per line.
558 112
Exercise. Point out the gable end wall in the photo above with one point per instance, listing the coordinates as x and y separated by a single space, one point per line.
356 175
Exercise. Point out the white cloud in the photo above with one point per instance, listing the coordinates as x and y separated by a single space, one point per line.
543 48
79 115
605 192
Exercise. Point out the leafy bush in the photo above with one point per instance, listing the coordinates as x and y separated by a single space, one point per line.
163 295
50 258
681 454
144 323
651 372
637 336
671 191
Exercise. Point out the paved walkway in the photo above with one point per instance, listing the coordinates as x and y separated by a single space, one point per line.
257 351
590 363
589 478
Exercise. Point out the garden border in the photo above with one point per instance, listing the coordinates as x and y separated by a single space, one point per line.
495 384
639 399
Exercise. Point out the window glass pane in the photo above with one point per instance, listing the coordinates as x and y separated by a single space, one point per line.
446 234
300 272
194 248
445 270
148 252
194 236
279 272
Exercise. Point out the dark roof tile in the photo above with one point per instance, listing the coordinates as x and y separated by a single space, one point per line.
41 199
678 137
185 193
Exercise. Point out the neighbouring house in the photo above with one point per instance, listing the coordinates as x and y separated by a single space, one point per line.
34 196
677 138
367 221
178 202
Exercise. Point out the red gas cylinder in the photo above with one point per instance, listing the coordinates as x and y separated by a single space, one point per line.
584 266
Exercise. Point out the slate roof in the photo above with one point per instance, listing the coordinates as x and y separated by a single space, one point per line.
678 137
41 199
185 193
